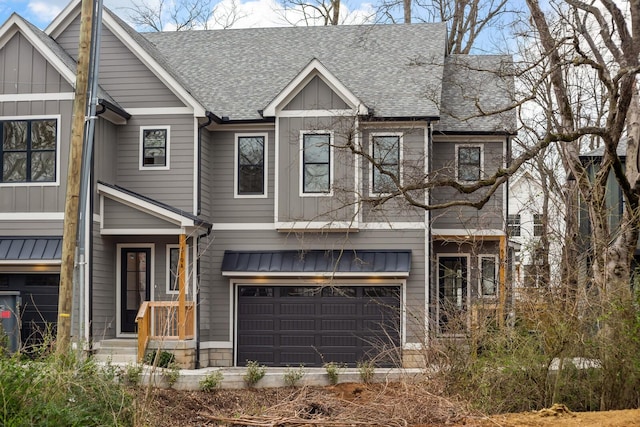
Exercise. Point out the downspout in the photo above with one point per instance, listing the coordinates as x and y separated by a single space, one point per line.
83 221
197 331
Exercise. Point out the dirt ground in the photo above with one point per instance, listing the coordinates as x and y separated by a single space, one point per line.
392 404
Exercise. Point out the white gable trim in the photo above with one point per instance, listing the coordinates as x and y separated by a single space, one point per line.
16 24
143 206
313 69
64 19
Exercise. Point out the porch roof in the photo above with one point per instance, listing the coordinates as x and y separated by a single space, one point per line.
30 249
356 263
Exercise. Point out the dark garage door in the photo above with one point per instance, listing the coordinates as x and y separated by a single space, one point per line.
39 309
293 325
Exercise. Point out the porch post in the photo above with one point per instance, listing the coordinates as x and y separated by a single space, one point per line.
182 274
502 280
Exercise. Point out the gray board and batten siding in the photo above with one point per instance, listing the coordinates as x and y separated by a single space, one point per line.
218 288
122 74
219 175
316 95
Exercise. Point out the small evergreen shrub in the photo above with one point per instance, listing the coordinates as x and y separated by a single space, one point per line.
293 376
333 371
211 381
367 371
255 372
165 358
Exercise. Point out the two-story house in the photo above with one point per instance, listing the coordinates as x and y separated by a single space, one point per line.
267 150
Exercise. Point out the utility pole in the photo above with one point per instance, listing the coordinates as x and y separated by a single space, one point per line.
70 227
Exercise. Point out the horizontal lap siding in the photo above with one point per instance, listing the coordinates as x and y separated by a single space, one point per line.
217 297
464 217
221 168
293 207
174 186
117 215
122 74
103 265
413 171
30 227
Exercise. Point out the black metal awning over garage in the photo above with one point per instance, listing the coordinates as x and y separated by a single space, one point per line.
30 249
385 263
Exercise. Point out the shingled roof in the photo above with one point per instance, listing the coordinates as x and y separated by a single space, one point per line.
236 73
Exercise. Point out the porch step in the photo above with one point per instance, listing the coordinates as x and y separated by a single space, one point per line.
119 350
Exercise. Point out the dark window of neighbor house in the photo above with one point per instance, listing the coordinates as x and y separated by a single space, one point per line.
29 150
250 165
316 163
386 156
155 147
469 163
513 225
538 226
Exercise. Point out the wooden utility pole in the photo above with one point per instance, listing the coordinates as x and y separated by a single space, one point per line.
70 227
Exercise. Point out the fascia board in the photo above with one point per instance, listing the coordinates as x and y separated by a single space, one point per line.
314 68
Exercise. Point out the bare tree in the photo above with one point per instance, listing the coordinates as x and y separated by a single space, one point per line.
596 46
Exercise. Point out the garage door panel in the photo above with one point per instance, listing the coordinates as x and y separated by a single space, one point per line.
311 327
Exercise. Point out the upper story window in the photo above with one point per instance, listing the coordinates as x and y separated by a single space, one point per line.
538 226
469 162
250 165
316 163
513 225
386 153
29 150
154 147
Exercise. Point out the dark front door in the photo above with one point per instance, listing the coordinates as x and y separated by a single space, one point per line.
135 284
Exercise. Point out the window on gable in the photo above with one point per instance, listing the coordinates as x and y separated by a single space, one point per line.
316 163
488 276
538 226
513 225
469 160
29 150
385 150
154 147
251 165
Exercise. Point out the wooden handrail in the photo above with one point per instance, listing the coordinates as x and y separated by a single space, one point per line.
158 320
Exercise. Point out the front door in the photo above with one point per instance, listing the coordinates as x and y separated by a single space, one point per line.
452 294
135 284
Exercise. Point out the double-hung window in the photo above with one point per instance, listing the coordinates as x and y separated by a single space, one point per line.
316 163
173 258
386 154
250 165
29 150
154 147
513 225
469 162
538 225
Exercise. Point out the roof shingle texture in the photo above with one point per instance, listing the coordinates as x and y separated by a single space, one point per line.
390 68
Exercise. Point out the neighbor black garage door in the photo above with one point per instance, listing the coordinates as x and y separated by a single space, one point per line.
39 308
293 325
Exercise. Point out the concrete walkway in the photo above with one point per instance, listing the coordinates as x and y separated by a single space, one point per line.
189 379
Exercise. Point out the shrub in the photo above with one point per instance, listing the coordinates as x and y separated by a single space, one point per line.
293 376
164 358
132 374
333 371
255 372
211 381
171 374
366 370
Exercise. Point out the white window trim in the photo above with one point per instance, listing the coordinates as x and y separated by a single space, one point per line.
141 165
301 163
400 158
481 147
495 279
265 166
58 119
467 296
152 281
168 269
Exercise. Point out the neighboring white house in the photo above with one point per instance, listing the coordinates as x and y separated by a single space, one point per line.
525 227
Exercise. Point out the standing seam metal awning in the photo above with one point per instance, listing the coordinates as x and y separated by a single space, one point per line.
363 263
30 249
